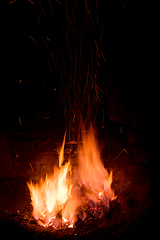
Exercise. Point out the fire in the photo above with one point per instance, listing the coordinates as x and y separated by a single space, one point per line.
95 178
63 197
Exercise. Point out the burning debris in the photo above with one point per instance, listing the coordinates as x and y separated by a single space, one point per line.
73 191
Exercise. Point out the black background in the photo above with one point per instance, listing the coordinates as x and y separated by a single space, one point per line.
129 40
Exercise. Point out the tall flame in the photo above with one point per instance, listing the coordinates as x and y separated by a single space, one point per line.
61 198
95 178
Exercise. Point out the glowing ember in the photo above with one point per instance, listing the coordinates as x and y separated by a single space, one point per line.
70 192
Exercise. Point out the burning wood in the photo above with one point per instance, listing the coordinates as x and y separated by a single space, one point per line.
72 192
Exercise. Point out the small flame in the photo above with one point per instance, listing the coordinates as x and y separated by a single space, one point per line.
62 197
61 153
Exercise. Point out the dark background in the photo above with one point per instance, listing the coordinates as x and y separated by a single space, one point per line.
128 46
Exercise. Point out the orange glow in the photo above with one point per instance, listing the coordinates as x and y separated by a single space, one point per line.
60 198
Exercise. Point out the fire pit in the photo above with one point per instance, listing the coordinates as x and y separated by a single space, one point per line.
72 191
128 216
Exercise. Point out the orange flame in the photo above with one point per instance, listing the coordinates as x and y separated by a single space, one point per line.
59 198
94 176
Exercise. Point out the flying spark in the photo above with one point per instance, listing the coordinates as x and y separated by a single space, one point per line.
30 1
33 39
12 1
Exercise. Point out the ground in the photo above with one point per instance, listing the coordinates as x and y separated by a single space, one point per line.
29 150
